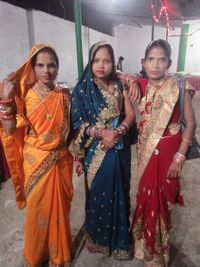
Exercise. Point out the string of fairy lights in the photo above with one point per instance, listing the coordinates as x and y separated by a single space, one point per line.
162 11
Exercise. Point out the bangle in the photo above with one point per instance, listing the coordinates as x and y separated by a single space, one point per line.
7 101
98 132
122 129
179 158
187 140
125 125
6 117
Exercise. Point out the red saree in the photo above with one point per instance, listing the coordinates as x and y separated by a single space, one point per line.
159 140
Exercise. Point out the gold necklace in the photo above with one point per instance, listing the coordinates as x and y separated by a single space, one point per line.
41 93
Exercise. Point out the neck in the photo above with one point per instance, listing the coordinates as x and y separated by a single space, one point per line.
157 82
44 86
104 81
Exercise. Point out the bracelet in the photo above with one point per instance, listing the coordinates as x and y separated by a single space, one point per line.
8 101
125 125
6 117
98 132
94 131
179 158
122 129
187 140
178 161
6 109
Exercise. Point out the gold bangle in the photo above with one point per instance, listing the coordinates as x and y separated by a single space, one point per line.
179 158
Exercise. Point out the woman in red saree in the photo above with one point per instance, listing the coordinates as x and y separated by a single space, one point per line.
161 155
34 115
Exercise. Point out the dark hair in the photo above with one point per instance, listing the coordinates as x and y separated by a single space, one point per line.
162 44
111 52
121 58
48 50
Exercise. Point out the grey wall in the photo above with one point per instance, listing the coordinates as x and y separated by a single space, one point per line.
21 29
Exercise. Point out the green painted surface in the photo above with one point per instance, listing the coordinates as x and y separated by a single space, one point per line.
78 23
152 30
182 48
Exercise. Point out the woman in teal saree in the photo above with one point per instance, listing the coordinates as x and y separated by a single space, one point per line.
101 118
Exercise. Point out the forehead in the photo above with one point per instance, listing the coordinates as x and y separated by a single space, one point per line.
157 52
45 56
102 51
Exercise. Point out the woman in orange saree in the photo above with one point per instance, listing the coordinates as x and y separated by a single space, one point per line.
161 155
41 166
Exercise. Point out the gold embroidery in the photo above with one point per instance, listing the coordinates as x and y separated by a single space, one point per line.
52 250
66 120
95 164
156 111
53 156
42 222
30 158
48 137
51 159
92 247
138 250
118 254
161 256
74 147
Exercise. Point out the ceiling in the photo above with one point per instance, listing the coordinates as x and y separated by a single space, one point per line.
139 12
101 15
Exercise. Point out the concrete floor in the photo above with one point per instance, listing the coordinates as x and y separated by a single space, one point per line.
185 235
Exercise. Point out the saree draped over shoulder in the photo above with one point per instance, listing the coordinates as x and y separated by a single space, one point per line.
41 169
107 171
159 140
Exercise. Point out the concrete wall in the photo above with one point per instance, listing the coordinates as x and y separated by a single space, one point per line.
20 29
192 62
132 42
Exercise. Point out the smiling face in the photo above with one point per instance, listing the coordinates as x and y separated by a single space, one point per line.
46 68
155 64
102 64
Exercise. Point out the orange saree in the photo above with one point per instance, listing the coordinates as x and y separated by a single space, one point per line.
41 170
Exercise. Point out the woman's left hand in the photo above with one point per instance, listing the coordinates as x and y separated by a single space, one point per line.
174 170
130 81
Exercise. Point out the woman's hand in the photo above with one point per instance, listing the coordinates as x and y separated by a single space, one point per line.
79 167
134 92
8 86
109 139
174 170
130 81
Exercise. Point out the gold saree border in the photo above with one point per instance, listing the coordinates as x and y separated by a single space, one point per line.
117 254
163 106
111 111
53 157
161 257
